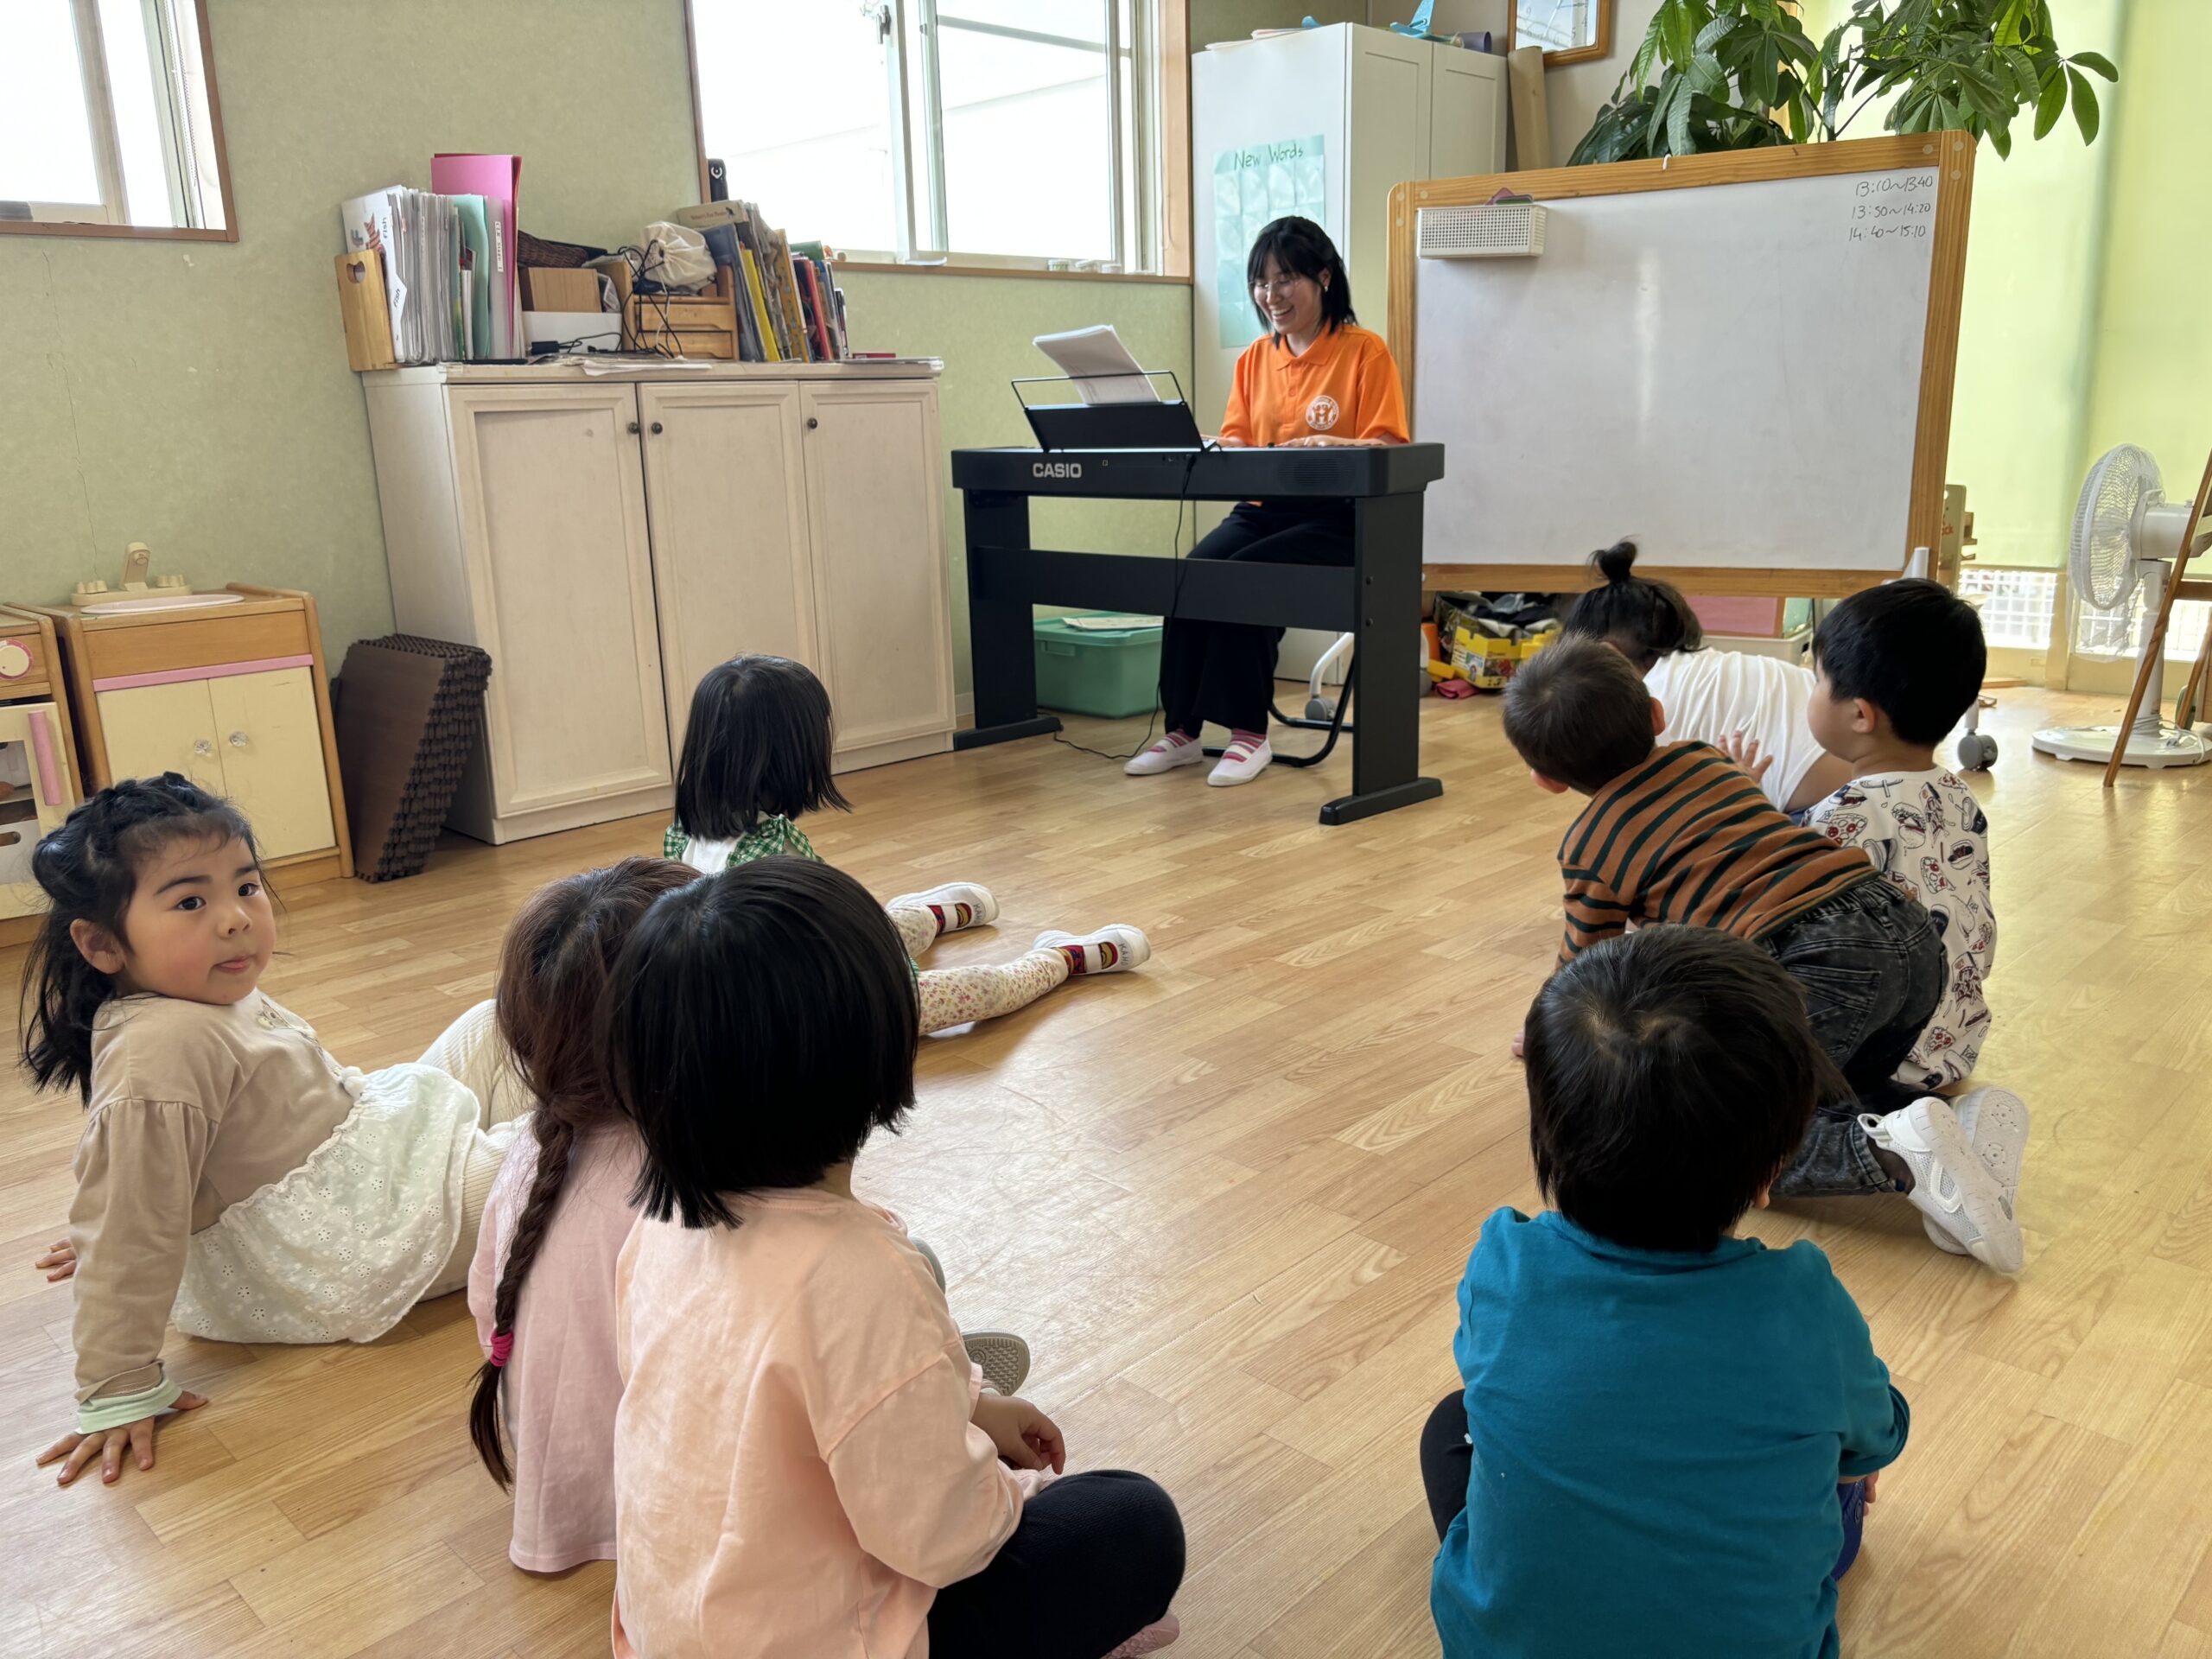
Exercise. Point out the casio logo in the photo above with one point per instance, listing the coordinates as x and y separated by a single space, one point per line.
1056 469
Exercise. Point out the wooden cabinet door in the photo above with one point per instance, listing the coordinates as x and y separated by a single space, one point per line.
879 578
560 576
151 730
727 493
269 741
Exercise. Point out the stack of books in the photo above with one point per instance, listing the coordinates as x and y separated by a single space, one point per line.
789 309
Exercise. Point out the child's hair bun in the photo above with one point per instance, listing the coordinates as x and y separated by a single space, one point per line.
1617 562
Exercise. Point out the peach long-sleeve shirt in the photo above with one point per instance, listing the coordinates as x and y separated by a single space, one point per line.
794 1453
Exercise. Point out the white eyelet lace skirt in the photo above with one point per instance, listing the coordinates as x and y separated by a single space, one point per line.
343 1245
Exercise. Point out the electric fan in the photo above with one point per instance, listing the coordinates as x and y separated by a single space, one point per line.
2126 535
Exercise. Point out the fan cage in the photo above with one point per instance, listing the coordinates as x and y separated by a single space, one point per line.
2104 555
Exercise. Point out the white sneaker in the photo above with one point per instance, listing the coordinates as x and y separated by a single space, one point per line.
1165 755
1995 1121
1131 948
1003 1356
1950 1187
1240 763
973 895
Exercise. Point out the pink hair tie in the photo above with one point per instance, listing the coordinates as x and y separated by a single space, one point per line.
502 1345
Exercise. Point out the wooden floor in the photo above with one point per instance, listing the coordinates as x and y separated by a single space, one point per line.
1228 1198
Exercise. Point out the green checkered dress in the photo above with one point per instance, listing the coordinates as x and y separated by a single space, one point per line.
776 835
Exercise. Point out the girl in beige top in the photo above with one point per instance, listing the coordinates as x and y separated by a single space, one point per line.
805 1461
232 1176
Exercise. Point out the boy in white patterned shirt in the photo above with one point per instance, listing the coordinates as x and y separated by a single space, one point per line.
1897 665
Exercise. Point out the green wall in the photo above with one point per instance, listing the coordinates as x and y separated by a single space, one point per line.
195 396
2151 378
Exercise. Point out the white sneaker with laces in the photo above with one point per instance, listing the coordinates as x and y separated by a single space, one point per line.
1951 1187
1131 948
984 909
1165 755
1240 762
1996 1125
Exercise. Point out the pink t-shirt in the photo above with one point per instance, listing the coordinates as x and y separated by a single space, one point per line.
793 1454
560 1385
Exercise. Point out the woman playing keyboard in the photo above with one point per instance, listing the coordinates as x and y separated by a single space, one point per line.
1314 379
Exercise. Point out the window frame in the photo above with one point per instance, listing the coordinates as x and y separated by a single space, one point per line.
1162 186
100 217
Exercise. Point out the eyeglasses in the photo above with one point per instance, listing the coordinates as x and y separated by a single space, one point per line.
1283 286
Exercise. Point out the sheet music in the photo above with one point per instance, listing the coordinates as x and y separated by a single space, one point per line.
1087 354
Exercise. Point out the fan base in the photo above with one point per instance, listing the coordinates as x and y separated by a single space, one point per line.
2170 746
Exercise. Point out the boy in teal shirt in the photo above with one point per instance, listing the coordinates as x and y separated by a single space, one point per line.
1646 1456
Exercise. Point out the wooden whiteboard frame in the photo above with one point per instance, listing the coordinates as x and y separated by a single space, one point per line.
1951 155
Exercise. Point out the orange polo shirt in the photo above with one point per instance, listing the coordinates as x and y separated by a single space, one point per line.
1344 387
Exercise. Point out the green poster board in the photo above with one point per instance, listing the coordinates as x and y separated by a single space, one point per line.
1253 184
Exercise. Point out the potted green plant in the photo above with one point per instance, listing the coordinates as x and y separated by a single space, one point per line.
1736 74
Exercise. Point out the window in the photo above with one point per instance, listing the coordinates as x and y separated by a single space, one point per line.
2016 606
107 118
996 131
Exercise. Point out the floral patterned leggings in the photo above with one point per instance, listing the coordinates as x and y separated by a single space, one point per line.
953 996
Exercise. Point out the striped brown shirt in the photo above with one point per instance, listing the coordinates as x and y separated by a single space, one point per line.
1688 837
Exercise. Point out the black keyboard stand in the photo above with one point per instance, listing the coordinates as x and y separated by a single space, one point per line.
1377 598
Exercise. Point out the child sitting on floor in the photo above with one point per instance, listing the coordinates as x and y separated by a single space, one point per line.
756 755
803 1455
542 1286
230 1176
1898 666
1655 1415
1680 833
1713 696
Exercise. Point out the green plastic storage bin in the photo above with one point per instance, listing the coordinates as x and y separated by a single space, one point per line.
1114 673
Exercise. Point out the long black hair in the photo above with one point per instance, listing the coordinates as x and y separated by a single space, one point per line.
761 1026
1301 248
554 967
88 869
757 746
1644 619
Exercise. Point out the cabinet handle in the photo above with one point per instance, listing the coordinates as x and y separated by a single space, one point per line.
238 740
633 428
813 420
203 748
656 426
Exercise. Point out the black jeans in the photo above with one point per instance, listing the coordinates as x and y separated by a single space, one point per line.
1225 671
1097 1558
1869 962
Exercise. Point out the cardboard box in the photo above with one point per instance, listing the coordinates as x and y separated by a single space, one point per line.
544 289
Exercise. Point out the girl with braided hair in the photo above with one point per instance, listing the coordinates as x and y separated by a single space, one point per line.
542 1284
232 1176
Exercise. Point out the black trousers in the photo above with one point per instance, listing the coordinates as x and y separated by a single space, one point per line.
1225 671
1097 1558
1446 1460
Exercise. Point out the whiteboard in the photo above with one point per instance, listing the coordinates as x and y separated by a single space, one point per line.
1729 373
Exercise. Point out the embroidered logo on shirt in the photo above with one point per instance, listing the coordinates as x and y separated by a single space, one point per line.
1321 413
